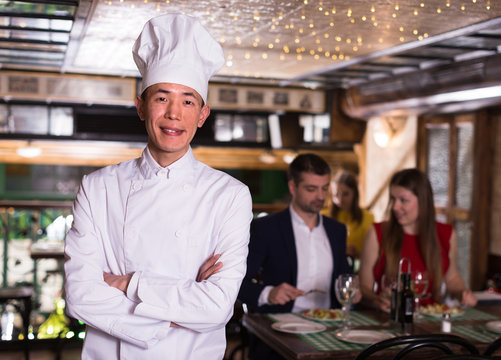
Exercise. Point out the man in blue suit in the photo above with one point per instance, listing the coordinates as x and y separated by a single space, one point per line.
295 255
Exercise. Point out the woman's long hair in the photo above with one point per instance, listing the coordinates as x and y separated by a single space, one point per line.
417 182
348 179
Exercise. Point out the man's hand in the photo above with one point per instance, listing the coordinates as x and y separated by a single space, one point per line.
121 282
284 293
209 268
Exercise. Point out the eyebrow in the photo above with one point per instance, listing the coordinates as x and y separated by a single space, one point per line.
186 93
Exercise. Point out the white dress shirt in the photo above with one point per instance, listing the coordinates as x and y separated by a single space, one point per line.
314 265
160 224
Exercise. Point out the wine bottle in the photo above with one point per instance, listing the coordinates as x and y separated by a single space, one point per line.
406 303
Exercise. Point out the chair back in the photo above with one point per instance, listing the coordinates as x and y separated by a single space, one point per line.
411 343
465 357
495 345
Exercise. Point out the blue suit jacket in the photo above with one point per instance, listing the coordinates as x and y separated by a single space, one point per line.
272 258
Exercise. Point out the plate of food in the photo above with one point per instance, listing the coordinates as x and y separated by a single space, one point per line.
323 314
298 327
363 336
438 310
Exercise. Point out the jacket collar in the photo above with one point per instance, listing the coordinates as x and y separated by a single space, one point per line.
150 169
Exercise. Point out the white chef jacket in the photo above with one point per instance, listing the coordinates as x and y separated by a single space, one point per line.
160 224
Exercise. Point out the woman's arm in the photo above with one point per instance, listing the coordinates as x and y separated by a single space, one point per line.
370 255
453 280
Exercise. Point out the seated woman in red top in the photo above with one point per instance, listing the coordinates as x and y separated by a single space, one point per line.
413 233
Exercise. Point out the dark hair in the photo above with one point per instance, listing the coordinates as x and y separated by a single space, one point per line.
350 180
309 163
417 182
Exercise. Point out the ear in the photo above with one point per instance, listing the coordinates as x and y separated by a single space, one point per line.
204 114
140 107
292 187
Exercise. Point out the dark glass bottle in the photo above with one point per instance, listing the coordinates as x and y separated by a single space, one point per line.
395 304
406 303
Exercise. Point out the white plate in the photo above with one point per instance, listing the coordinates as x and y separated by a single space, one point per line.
299 327
363 336
494 326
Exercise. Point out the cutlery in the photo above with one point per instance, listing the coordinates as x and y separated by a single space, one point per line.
314 290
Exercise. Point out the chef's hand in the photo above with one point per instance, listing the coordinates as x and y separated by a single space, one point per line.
209 267
284 293
121 282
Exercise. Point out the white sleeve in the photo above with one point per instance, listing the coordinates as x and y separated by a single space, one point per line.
88 297
263 297
207 305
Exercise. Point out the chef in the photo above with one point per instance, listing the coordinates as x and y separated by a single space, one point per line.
158 246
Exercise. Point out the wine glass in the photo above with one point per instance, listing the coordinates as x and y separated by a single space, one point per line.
419 286
387 284
346 287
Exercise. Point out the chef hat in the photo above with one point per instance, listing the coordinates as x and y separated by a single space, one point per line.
176 48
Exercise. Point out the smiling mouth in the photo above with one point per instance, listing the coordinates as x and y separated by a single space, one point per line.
171 131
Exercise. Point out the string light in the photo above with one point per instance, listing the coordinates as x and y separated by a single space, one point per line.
317 27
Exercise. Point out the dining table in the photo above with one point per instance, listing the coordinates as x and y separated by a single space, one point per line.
325 340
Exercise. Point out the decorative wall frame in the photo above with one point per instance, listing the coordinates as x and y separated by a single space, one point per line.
51 87
236 97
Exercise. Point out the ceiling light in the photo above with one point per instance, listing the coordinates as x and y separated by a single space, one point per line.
382 132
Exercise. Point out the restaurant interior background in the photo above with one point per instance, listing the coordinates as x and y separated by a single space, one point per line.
372 86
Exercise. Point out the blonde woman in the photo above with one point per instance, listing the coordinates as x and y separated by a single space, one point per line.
346 209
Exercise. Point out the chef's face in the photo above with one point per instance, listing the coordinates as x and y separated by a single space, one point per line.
172 114
310 193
